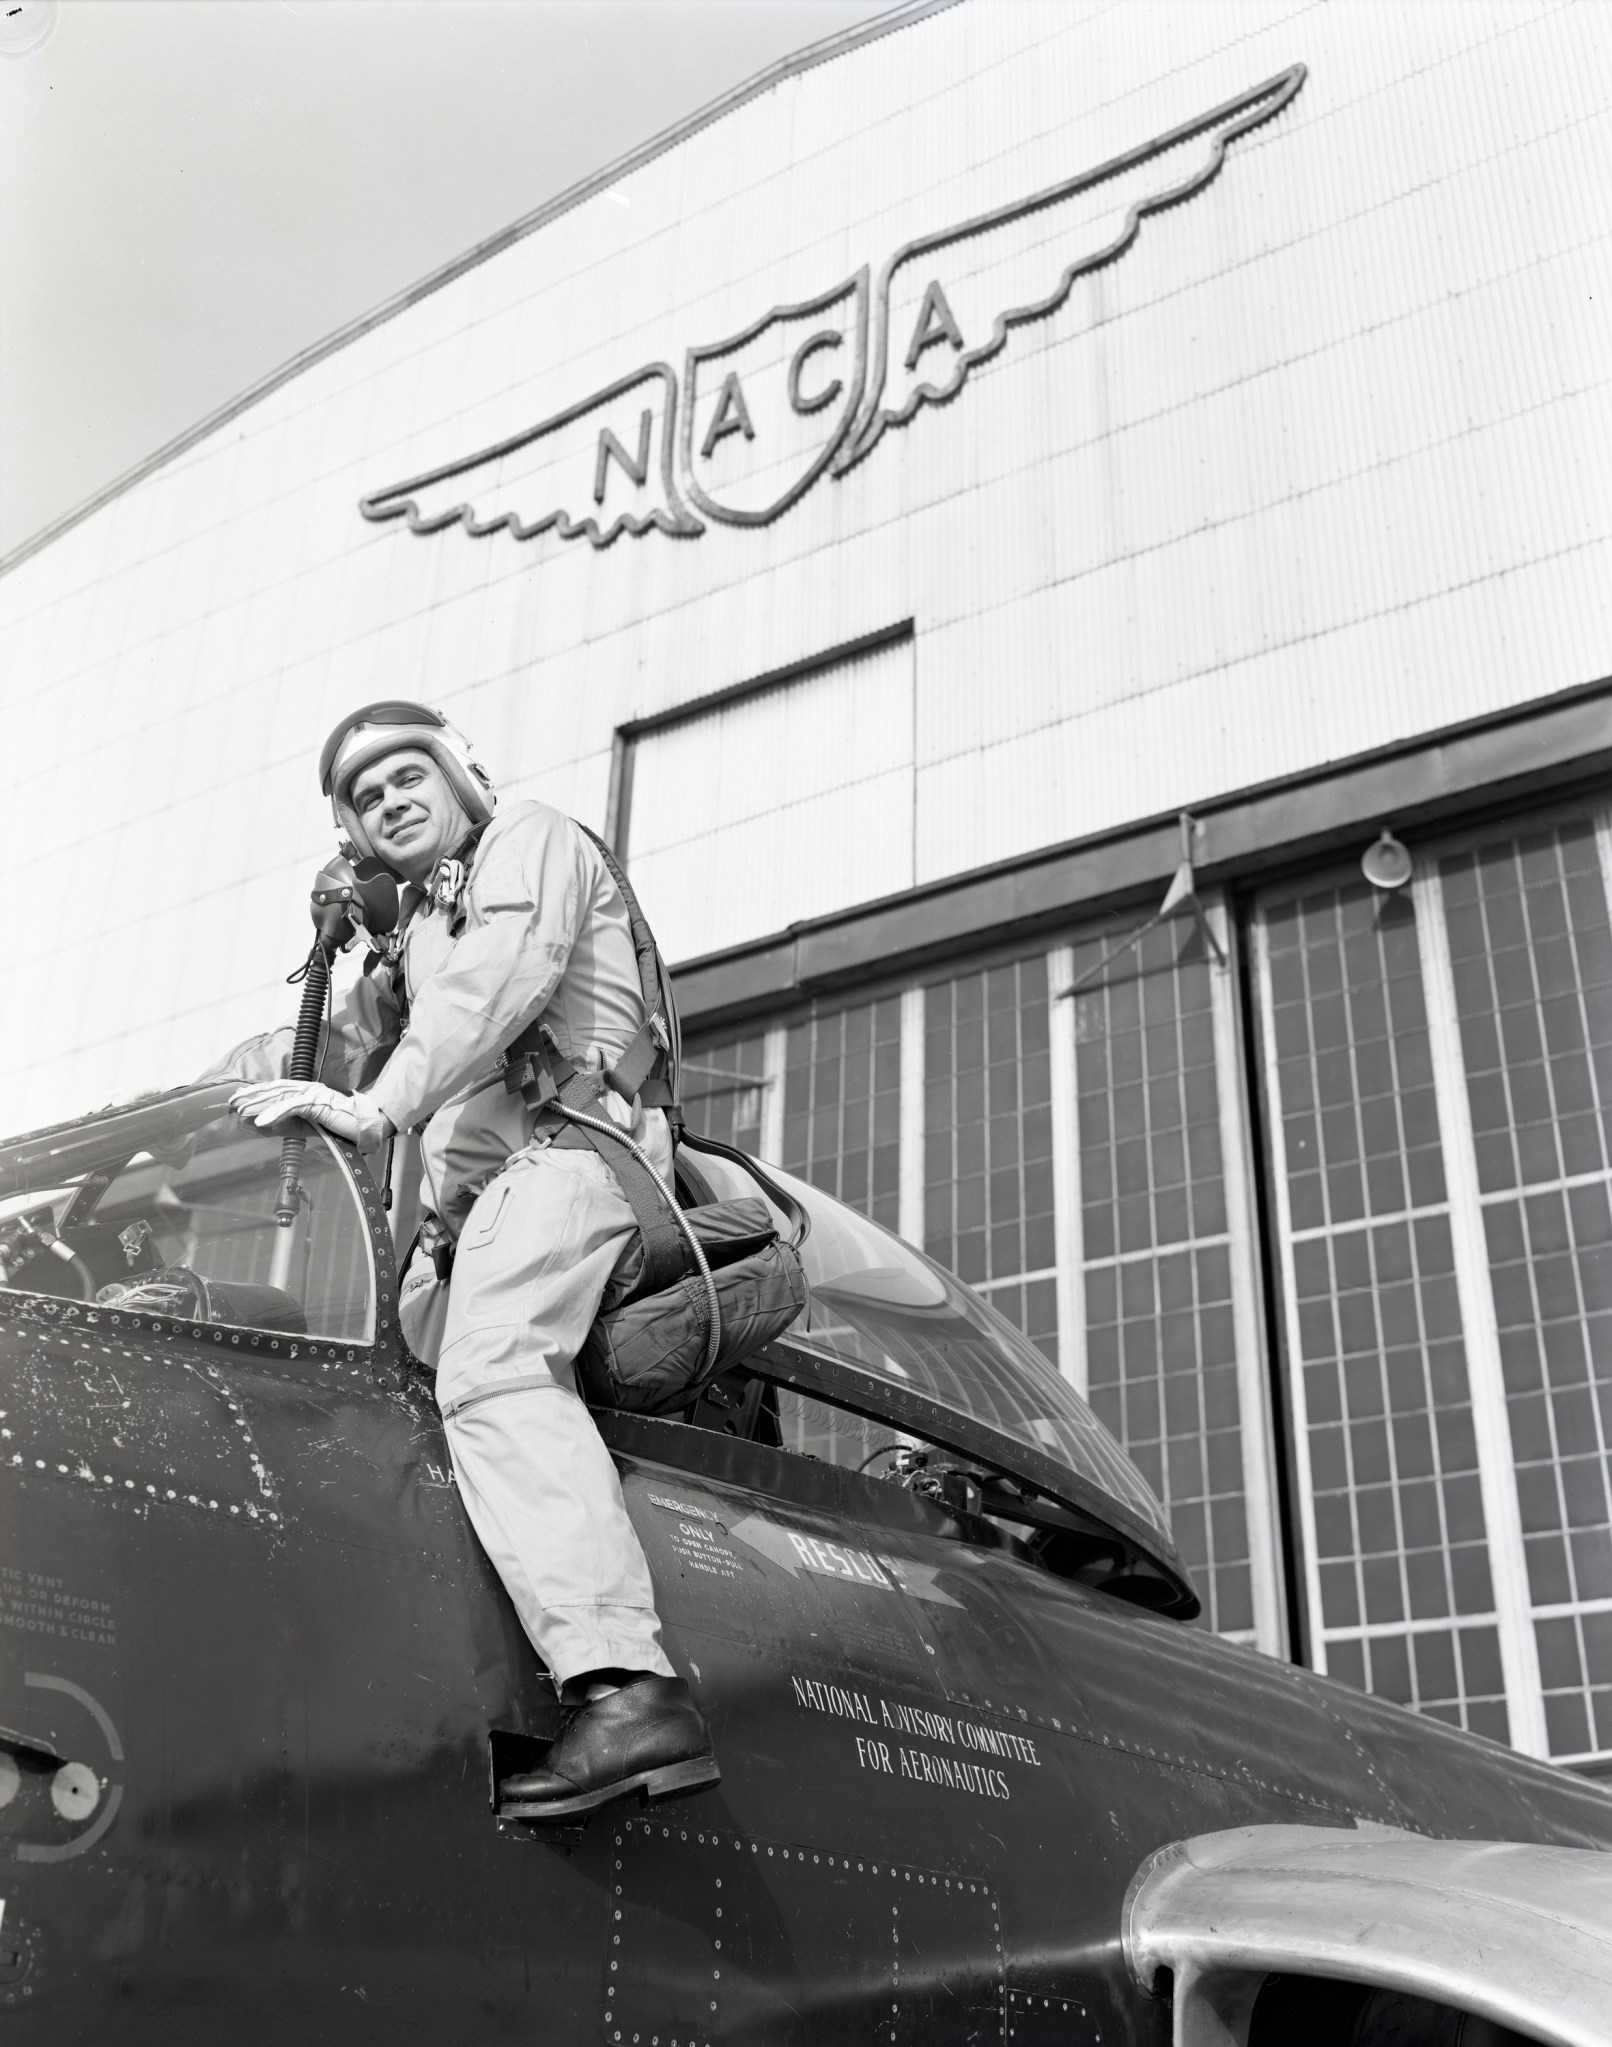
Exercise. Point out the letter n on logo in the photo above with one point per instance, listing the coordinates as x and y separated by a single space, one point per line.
636 466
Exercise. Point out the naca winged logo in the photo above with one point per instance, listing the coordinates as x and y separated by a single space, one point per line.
812 388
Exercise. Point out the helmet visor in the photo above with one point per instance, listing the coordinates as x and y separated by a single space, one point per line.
389 713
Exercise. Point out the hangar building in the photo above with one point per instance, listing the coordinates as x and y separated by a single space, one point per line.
1003 471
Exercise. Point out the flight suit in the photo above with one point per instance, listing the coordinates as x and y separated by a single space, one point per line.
539 930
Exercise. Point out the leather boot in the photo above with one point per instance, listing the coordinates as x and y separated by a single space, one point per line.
648 1737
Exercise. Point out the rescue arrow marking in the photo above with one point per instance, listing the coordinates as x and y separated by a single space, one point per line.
796 1551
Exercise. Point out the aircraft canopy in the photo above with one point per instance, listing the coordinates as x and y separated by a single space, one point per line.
897 1333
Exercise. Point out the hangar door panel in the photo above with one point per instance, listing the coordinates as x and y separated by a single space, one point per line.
1530 956
1438 1067
774 806
1060 1126
1167 1287
1396 1537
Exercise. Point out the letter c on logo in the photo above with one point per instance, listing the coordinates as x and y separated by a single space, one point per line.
826 338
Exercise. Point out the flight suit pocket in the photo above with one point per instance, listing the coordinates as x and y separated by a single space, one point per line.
486 1219
533 1261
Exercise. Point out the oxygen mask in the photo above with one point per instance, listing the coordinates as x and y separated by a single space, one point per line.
353 899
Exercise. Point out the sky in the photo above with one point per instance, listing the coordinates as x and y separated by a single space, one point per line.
194 190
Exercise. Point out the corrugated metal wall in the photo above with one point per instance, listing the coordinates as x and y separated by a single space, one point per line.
1318 464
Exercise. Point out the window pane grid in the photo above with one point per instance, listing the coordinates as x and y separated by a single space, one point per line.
1531 959
1163 1377
1531 955
988 1191
1377 1355
1030 1304
1161 1355
729 1109
1551 1265
1377 1263
1120 1258
1400 1532
842 1105
1359 1115
1575 1667
1150 1111
1325 1232
1452 1674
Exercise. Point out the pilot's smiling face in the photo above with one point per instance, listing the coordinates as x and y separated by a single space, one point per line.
409 810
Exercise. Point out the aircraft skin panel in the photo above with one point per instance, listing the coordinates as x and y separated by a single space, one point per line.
245 1777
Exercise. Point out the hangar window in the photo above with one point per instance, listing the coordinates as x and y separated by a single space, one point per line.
1069 1157
1434 1067
894 1336
1168 1284
168 1209
1438 1064
784 798
988 1184
1398 1554
842 1105
725 1094
820 1095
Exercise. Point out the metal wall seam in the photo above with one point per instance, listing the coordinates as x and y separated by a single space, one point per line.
1519 1650
1066 1215
911 1211
1313 1648
774 1062
1254 1364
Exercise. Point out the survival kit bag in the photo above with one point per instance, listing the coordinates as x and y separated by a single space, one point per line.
702 1288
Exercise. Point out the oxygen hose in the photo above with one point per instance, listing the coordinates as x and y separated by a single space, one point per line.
315 978
29 1235
346 897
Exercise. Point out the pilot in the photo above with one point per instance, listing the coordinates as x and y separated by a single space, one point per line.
509 916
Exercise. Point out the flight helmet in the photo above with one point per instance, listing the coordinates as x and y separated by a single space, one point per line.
375 730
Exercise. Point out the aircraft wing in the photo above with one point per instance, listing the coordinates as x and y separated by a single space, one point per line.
1518 1934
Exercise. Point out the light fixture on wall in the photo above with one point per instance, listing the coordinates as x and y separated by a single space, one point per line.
1385 863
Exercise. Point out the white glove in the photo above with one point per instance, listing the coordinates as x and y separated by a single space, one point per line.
353 1118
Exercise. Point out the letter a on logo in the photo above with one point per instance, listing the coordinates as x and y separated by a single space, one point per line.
732 416
935 323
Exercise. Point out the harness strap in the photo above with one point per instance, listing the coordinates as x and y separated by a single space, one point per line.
663 1074
643 939
550 1085
647 1070
799 1221
630 1074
